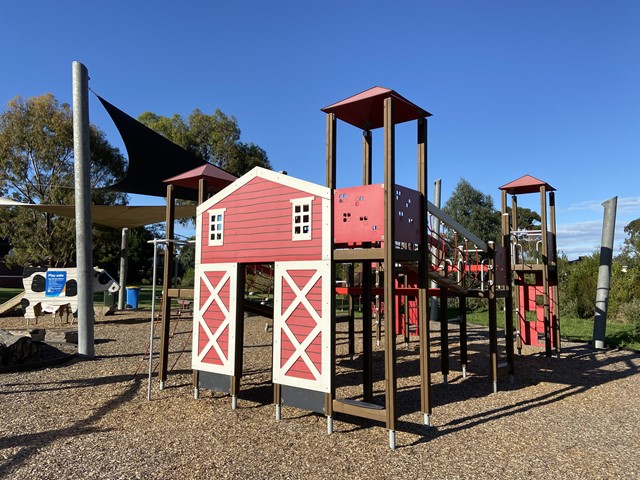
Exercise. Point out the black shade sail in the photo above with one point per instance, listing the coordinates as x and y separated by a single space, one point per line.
152 158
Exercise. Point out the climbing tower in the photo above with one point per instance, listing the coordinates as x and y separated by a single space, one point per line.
534 266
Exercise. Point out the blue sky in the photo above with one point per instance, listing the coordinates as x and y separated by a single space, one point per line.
546 88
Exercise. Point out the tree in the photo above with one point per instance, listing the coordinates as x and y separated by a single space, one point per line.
475 211
631 245
37 166
214 138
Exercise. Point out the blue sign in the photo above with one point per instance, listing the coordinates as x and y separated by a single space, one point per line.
55 282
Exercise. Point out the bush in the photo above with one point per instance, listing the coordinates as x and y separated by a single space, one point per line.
630 313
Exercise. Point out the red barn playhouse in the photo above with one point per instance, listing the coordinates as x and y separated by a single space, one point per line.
305 230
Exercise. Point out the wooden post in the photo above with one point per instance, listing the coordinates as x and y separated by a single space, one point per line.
493 317
462 305
389 265
367 343
423 281
554 272
366 157
352 315
545 270
330 183
519 279
202 196
508 301
444 334
166 283
235 380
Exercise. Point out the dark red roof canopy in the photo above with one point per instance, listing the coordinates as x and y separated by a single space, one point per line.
526 184
366 110
216 178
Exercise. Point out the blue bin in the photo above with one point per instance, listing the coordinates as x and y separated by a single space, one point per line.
133 294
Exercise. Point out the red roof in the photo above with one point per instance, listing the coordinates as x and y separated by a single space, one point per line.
216 178
526 184
366 110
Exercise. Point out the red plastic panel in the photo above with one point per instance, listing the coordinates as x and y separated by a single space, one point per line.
359 215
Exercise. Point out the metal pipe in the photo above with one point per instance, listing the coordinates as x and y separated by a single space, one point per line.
82 172
604 272
153 311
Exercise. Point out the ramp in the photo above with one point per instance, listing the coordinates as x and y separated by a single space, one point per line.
11 304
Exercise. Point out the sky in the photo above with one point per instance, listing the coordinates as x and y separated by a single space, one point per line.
546 88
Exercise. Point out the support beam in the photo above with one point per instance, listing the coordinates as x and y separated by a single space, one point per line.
166 284
389 266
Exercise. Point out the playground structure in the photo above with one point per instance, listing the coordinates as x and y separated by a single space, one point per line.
389 239
305 231
534 260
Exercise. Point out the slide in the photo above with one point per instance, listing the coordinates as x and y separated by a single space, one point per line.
11 304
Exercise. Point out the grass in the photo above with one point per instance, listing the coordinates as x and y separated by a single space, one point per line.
575 329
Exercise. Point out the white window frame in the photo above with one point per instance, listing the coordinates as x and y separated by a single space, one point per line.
301 229
216 227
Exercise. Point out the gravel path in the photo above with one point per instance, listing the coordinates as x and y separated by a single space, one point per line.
573 417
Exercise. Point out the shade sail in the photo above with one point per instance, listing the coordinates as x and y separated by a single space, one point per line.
152 158
116 216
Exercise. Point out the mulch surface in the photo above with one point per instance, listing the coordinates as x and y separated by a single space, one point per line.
576 416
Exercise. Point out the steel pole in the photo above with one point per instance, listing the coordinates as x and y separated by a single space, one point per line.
604 272
435 254
82 170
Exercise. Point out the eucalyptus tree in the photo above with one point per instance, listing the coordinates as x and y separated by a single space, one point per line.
37 167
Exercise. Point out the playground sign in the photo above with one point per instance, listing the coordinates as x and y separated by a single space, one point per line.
55 283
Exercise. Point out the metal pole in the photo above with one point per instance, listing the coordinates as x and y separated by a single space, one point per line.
82 170
604 272
153 311
434 249
124 252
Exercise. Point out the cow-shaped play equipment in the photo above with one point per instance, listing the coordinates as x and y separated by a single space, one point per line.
51 289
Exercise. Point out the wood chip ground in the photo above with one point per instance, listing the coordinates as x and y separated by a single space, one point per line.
574 417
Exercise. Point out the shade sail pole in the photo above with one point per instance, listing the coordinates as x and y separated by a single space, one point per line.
604 272
82 170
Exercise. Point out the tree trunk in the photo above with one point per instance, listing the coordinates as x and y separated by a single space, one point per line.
14 349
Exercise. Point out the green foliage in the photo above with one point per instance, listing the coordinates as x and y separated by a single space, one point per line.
578 283
37 166
631 245
475 211
214 138
630 314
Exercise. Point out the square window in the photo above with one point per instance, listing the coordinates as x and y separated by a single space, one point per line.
216 227
301 217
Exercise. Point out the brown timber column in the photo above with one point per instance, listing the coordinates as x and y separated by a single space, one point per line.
367 343
508 300
389 265
545 270
493 317
331 183
423 281
166 283
519 277
366 157
554 275
202 196
235 380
